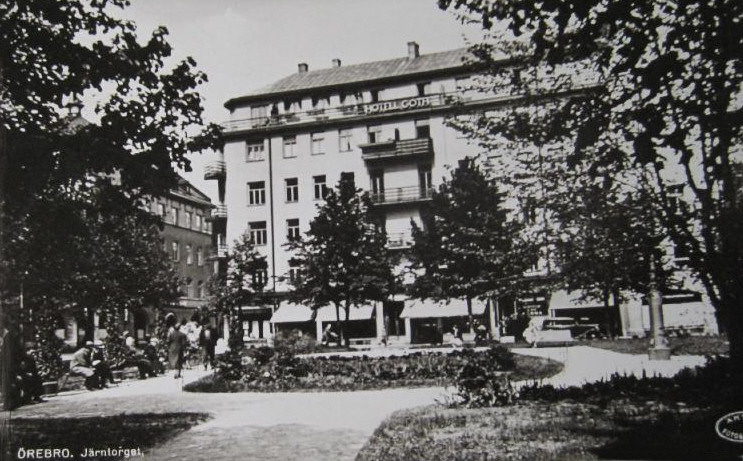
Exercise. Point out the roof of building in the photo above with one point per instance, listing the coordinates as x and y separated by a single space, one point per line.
188 191
358 73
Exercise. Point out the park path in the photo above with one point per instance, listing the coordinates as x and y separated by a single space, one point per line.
324 426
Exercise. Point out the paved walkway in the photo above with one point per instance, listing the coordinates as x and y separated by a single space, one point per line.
308 426
589 364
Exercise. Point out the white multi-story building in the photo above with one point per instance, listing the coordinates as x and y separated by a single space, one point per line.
380 123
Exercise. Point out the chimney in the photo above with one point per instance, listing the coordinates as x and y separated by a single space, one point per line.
303 67
413 50
336 62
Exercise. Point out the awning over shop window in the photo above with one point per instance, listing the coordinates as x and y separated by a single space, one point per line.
327 313
292 313
563 299
428 308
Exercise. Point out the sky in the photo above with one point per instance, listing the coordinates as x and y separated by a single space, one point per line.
243 45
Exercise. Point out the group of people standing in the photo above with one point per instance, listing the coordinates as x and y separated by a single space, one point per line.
184 341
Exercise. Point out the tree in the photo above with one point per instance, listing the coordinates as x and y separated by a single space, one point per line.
343 259
242 284
150 115
670 77
466 245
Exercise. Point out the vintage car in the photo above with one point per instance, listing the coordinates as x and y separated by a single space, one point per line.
544 330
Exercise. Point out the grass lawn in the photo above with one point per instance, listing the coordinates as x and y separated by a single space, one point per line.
132 431
564 430
689 345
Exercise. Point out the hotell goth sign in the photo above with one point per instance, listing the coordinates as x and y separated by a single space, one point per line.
397 105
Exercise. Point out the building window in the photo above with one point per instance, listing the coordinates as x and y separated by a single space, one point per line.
318 143
257 193
198 222
200 290
258 234
199 256
292 189
260 278
254 151
422 128
175 253
190 289
259 114
320 103
292 229
189 217
423 88
344 140
424 180
377 185
189 254
293 275
375 134
161 209
174 216
375 95
290 147
291 106
321 187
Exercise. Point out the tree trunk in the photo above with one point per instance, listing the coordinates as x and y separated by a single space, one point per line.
732 316
470 317
347 339
339 323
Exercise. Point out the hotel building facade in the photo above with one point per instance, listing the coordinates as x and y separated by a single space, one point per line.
382 124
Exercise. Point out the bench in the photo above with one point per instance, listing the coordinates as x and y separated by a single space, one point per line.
72 381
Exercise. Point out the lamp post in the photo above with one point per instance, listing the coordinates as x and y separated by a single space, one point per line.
659 349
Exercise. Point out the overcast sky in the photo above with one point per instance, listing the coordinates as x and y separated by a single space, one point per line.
243 45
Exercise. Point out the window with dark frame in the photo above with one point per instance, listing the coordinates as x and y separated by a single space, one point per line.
292 189
257 193
292 229
345 138
317 146
257 232
321 187
290 146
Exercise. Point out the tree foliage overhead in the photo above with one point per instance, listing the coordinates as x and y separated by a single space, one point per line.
465 248
343 259
669 101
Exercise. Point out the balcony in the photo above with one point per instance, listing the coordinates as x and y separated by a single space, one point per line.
218 212
397 149
361 109
215 169
220 252
399 241
397 195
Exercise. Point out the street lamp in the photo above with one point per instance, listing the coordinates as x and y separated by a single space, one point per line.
659 349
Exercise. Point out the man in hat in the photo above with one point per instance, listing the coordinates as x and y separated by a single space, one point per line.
82 364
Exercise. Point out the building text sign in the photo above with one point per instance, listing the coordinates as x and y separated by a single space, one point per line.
400 104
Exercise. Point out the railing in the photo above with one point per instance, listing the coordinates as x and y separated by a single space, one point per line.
397 148
219 212
215 169
348 110
402 195
399 240
219 252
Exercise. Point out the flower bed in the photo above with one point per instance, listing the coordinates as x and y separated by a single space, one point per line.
267 370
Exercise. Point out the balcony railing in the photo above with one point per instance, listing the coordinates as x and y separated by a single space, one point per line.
399 240
219 252
219 212
397 149
402 195
347 110
215 169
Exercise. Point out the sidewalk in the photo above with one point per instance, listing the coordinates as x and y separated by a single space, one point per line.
589 364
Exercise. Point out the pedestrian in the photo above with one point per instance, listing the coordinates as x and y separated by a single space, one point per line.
82 364
30 382
101 364
176 343
207 341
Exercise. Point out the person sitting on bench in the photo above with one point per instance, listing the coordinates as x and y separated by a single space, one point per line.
82 364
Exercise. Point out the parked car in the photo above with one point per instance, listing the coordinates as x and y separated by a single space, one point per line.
579 328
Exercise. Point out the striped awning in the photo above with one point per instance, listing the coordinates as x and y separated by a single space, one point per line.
327 313
428 308
292 313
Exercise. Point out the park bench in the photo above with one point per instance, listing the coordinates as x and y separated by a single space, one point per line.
71 381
